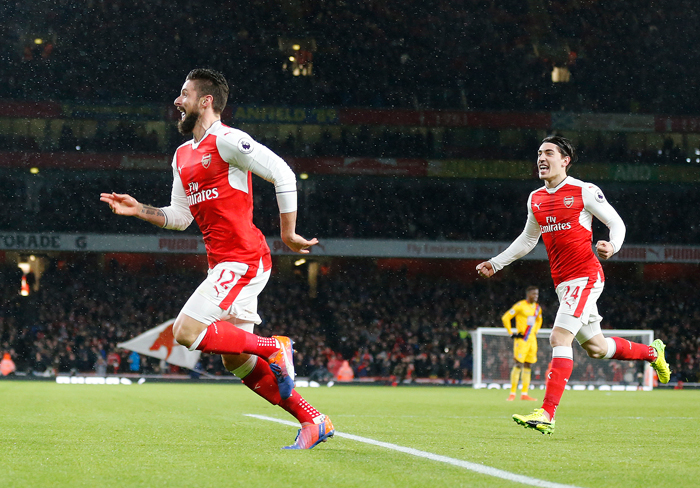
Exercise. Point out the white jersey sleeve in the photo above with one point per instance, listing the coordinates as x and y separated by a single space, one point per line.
524 243
239 149
177 215
594 201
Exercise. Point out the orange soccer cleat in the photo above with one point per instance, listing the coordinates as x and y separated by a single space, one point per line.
313 434
511 397
527 397
282 365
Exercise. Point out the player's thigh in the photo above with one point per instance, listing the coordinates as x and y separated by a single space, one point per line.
591 330
577 305
531 354
520 351
230 291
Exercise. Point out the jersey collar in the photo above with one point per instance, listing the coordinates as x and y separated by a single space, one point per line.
211 129
554 190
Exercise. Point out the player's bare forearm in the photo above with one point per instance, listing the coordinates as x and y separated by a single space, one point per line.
123 204
152 215
294 241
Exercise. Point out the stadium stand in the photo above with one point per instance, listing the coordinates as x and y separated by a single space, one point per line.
349 207
103 63
389 324
443 54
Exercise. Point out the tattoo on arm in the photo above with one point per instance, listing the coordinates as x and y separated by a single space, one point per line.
148 210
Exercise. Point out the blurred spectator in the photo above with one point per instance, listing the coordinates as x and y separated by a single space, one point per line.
134 362
7 365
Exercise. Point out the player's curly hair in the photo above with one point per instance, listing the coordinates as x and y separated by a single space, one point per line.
210 82
566 148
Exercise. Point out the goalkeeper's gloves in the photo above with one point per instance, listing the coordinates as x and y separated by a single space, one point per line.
517 335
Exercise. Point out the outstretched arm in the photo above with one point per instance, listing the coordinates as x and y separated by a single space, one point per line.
294 241
525 243
123 204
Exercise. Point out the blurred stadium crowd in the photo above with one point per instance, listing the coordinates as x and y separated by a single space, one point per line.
438 54
348 207
469 54
132 137
387 324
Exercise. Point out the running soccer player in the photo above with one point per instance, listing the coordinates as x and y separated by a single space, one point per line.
562 213
212 184
528 320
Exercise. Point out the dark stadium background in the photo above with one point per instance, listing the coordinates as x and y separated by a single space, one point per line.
411 120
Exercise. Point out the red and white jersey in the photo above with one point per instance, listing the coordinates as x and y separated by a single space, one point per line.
563 217
212 184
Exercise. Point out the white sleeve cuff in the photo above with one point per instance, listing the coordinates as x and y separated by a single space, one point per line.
287 197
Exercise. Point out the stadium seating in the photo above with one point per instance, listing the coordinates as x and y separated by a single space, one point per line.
388 324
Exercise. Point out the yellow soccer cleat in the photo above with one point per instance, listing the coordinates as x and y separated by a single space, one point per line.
660 364
536 420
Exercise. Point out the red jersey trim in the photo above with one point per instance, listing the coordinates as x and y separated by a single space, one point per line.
584 297
236 290
266 261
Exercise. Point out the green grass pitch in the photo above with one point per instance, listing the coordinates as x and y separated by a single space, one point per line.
196 435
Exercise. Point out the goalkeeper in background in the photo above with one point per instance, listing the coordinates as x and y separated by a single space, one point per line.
528 320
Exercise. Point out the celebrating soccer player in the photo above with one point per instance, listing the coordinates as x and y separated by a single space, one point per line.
528 320
213 186
562 213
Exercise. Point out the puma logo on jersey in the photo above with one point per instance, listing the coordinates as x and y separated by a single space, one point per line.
537 205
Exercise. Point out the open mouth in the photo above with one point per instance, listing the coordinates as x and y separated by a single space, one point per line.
183 114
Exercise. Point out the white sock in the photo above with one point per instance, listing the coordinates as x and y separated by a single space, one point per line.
244 369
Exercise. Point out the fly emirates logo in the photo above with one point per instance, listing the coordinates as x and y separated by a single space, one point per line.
554 226
195 196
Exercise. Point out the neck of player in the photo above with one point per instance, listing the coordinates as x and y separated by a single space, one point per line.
204 122
555 180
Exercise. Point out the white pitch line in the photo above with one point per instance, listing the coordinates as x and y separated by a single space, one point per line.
477 468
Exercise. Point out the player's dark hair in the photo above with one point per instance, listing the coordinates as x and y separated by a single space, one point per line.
530 288
566 148
210 82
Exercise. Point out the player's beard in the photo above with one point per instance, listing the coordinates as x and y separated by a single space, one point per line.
186 126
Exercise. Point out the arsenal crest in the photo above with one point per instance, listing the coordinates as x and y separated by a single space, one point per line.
206 160
568 201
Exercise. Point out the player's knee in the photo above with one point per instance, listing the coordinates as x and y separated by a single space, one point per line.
183 334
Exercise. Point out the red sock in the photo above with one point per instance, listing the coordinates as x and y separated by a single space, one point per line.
300 408
625 349
263 382
559 372
225 338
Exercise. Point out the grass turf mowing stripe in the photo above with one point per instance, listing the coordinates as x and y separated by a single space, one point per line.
477 468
